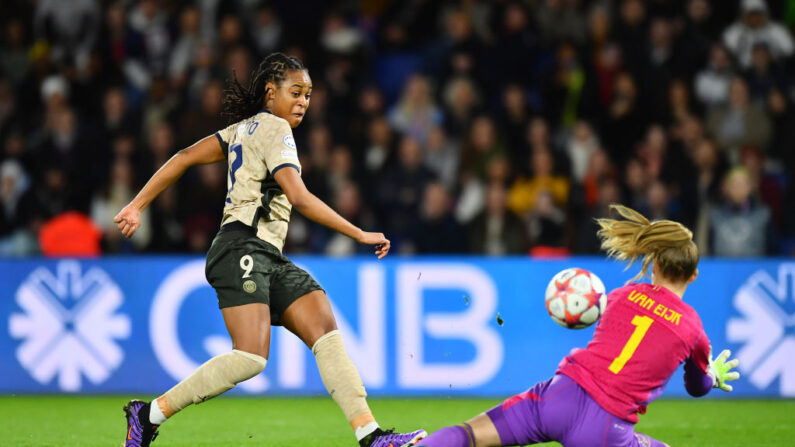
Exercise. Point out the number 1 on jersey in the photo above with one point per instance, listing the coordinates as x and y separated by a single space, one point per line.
642 324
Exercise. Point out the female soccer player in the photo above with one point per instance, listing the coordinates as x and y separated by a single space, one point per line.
257 286
646 332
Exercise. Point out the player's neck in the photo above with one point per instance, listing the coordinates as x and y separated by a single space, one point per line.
676 288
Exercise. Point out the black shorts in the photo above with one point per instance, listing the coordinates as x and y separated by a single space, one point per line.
244 269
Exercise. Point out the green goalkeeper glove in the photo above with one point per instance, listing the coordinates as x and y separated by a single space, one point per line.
719 369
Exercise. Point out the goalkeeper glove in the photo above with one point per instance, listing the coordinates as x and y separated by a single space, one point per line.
719 369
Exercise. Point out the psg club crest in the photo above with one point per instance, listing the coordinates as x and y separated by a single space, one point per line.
69 326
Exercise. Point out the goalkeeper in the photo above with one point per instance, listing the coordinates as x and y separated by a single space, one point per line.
646 332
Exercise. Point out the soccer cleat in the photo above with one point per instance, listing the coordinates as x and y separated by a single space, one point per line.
140 432
388 438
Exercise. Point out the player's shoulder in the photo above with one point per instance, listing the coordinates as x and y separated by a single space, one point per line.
269 119
624 290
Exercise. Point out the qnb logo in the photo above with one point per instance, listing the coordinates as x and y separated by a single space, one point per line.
766 329
70 325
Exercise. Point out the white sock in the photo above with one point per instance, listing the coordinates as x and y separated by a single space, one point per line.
155 415
365 430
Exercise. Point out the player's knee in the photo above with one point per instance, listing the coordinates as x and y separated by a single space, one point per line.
254 349
324 325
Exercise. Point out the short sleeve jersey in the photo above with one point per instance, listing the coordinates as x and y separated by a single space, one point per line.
256 148
645 333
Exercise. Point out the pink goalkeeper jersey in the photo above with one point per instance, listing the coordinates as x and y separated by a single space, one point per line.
645 333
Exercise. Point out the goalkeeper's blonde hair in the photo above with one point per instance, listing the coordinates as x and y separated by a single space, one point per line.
666 243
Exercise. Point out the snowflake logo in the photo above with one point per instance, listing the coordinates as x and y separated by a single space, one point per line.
765 329
69 326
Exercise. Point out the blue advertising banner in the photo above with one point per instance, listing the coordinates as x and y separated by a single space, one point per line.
413 326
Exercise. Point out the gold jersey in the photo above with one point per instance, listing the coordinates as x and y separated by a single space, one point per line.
256 148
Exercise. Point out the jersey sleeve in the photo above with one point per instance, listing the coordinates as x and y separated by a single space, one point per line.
697 381
224 136
700 353
278 148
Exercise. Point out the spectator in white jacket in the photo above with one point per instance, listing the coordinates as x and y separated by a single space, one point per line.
755 27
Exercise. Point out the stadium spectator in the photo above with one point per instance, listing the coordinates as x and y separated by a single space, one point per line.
559 20
700 29
437 231
634 185
461 100
399 193
122 49
482 144
497 230
514 119
702 188
563 87
416 111
524 193
442 157
712 82
348 203
598 172
149 19
625 120
168 235
546 224
71 31
208 115
267 29
679 105
740 122
580 149
516 35
754 27
106 203
631 33
14 60
14 182
479 87
740 224
185 47
765 75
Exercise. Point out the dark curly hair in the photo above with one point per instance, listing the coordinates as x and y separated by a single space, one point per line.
241 102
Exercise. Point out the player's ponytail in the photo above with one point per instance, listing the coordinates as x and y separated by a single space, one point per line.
241 102
666 243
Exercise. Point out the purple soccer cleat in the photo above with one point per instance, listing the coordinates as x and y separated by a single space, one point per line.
389 438
140 432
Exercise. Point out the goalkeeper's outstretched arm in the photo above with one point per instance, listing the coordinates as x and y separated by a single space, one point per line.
697 382
719 371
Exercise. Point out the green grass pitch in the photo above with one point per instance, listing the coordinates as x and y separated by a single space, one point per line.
88 421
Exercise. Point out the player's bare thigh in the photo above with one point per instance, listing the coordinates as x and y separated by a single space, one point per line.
249 325
310 317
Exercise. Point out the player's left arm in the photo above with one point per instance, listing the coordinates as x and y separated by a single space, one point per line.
207 150
317 211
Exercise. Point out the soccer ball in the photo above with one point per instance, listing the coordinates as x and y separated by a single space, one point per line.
575 298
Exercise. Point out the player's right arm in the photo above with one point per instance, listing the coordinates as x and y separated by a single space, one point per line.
314 209
204 151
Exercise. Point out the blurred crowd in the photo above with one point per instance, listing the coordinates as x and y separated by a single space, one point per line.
458 126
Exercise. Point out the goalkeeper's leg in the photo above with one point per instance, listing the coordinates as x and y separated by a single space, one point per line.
642 440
